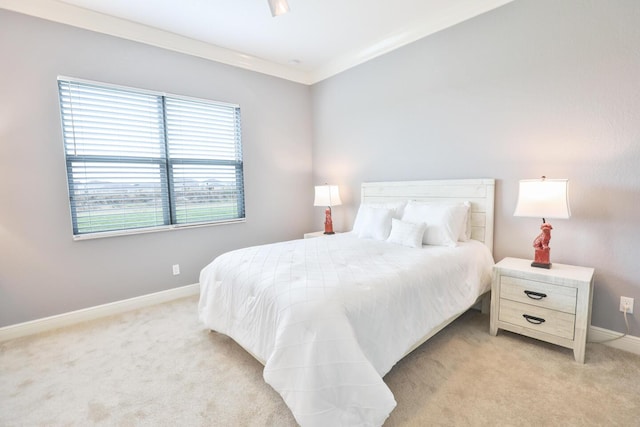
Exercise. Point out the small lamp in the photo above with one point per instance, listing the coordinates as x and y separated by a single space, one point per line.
327 195
543 198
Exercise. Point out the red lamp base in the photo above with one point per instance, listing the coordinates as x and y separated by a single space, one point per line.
541 245
535 264
541 265
328 223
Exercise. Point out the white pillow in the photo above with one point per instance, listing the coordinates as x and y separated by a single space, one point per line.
374 223
465 232
445 221
406 233
465 235
397 207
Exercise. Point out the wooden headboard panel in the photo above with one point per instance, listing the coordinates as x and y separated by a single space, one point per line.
480 192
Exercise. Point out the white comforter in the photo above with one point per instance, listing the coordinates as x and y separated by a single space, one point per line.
330 316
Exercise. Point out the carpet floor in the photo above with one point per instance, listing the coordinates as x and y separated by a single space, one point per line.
158 366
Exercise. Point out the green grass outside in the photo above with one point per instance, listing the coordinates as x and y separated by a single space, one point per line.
144 216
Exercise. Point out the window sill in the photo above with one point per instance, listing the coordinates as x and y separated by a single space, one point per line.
104 234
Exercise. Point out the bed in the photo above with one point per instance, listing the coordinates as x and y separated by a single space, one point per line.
328 317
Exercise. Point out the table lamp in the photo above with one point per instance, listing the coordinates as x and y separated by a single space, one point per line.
543 198
327 195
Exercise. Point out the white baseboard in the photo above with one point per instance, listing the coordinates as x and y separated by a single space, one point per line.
48 323
627 343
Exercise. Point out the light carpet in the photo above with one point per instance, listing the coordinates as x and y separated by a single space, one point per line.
159 366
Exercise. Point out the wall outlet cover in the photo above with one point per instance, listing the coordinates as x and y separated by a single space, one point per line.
629 302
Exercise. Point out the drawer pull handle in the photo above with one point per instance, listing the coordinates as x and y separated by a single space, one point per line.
535 295
533 319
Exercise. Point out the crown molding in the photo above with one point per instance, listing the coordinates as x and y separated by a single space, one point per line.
68 14
75 16
408 35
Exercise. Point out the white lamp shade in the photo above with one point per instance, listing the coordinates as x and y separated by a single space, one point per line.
327 195
543 198
278 7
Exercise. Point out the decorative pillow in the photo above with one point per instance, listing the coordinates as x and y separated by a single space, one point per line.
373 223
445 221
397 207
406 233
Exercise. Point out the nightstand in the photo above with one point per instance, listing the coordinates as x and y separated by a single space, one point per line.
550 305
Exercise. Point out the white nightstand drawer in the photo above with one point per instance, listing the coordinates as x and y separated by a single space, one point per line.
540 294
541 319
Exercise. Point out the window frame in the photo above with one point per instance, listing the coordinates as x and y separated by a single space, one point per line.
166 166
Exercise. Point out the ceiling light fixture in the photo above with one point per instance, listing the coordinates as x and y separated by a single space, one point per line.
278 7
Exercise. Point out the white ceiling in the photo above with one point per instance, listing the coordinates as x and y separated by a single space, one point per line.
317 39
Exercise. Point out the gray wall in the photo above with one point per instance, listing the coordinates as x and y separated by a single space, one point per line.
43 271
536 87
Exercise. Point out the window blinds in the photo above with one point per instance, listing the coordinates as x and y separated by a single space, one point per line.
139 159
205 159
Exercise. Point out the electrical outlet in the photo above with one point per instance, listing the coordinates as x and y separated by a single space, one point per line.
176 269
628 302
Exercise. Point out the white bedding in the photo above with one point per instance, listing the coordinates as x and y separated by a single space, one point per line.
330 316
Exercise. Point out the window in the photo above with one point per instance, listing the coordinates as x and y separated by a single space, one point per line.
143 160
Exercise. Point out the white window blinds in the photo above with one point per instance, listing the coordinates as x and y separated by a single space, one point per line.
138 159
205 159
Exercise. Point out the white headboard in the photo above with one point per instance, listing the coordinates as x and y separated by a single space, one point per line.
480 192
